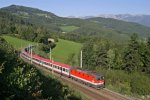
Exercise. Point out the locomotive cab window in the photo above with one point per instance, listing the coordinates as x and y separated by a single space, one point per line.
102 77
98 78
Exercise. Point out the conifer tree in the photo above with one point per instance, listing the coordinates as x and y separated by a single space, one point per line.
147 56
132 59
87 54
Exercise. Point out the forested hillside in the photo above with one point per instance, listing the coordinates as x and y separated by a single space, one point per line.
126 67
14 25
122 26
83 29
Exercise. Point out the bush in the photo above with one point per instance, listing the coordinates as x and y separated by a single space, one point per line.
116 76
140 84
119 80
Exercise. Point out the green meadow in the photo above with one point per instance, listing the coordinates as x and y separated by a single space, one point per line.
65 51
16 42
69 28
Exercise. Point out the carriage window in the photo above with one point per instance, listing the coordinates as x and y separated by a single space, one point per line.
51 65
66 70
63 69
57 67
45 63
60 68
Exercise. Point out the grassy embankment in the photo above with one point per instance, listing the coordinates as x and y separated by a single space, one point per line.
17 43
62 52
65 49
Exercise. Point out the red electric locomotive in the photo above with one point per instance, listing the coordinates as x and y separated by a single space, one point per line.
88 77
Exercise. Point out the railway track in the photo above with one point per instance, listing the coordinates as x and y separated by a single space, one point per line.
93 94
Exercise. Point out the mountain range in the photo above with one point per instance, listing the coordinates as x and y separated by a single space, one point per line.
110 28
138 18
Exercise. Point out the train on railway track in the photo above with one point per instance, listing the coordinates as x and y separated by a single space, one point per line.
87 77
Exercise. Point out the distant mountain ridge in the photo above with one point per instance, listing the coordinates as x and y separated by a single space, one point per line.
138 18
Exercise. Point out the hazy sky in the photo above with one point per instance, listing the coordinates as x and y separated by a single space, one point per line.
85 7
